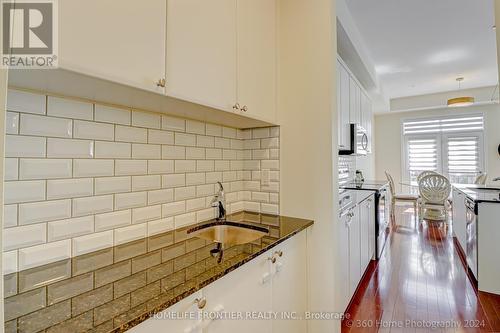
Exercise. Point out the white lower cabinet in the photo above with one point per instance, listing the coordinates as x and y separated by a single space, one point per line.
273 282
458 220
354 251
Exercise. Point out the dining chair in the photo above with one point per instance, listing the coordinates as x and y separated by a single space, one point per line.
434 191
403 197
425 173
481 179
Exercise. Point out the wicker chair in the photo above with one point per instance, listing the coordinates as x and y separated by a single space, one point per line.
481 179
425 173
413 198
434 192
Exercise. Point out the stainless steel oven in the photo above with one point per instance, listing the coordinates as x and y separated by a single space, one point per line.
471 236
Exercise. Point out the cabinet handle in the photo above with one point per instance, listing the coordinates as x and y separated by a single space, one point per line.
279 253
236 106
201 302
161 83
272 259
244 108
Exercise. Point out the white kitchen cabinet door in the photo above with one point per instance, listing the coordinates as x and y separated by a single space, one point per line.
201 52
371 228
459 218
118 41
364 233
343 97
256 53
290 274
241 291
354 252
354 101
163 323
343 271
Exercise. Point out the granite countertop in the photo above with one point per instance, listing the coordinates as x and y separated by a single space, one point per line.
114 289
367 185
479 193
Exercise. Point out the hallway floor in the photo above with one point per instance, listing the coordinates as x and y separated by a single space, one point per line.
420 285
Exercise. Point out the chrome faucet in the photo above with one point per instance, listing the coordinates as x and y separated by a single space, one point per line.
219 201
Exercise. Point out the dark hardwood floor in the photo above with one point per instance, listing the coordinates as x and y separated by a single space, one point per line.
420 285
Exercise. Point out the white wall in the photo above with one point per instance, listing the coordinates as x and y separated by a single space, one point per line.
306 112
388 138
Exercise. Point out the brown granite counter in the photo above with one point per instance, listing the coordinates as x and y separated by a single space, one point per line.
114 289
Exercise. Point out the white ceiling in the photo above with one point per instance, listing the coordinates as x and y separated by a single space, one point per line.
421 46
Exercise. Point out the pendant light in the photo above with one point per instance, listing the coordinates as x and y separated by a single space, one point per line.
460 101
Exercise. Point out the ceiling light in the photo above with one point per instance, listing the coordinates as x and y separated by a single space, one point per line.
460 101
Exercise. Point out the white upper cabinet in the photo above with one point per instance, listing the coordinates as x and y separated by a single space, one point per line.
343 82
222 54
257 58
201 52
354 101
122 42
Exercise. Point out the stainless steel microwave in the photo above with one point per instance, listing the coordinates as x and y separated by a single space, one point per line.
358 141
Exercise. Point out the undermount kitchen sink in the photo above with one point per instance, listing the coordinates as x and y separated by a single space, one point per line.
228 233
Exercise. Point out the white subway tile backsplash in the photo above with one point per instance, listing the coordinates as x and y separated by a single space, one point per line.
11 169
222 143
173 124
146 119
70 228
213 130
92 242
160 196
108 185
183 139
131 134
24 236
173 208
146 151
182 193
160 166
131 167
130 200
195 153
9 216
93 168
92 205
160 137
93 130
45 168
184 220
68 108
23 101
112 220
31 124
145 214
173 152
185 166
24 146
12 123
43 254
112 115
69 148
174 180
69 188
195 127
195 178
229 132
143 183
30 213
94 176
131 233
160 226
9 262
104 149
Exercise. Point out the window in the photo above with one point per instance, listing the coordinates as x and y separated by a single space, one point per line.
452 146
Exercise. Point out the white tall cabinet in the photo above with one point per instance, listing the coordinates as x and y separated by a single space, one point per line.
122 42
343 105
